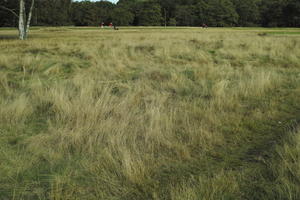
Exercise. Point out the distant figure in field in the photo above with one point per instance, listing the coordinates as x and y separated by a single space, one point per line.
102 24
110 24
204 26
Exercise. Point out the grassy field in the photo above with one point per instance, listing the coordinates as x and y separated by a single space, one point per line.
134 114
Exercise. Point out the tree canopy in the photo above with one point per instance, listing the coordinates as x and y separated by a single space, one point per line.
221 13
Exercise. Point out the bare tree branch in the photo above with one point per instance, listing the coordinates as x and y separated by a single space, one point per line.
10 10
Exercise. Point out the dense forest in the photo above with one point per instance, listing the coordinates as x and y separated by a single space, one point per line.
218 13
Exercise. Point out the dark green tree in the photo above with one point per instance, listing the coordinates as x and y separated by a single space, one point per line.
270 13
88 13
149 14
221 13
53 12
7 18
291 11
185 15
122 16
248 12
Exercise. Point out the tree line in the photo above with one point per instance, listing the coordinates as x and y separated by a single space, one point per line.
217 13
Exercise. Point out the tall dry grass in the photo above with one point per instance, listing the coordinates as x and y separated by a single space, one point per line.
139 114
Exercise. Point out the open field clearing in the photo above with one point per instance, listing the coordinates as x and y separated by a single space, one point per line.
175 114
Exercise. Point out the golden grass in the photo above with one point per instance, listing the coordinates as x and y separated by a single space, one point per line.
285 167
139 113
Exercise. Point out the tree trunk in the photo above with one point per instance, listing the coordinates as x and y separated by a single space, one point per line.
29 17
165 11
22 15
24 23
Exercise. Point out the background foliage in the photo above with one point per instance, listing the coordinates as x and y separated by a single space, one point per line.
220 13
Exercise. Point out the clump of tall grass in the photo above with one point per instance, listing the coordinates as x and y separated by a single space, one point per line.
14 112
286 168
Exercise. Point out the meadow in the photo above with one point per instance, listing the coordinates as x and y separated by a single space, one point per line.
150 113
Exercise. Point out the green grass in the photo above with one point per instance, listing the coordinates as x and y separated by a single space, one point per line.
284 33
278 33
148 113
